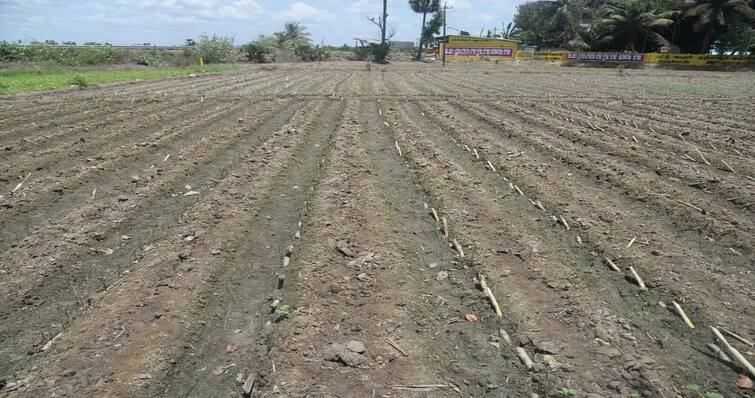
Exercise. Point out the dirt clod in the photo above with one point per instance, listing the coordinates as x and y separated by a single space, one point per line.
356 346
550 347
343 247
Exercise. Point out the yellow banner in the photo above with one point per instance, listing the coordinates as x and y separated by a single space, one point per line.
549 56
696 59
477 49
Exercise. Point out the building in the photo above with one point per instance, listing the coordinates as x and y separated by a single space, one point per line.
403 45
469 48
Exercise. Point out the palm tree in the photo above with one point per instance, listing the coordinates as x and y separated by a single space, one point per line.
424 7
510 31
564 17
629 21
292 36
713 15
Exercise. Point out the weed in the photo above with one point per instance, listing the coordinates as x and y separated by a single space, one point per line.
78 80
698 393
283 310
567 392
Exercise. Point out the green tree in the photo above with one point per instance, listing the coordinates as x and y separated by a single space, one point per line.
737 37
533 22
424 7
292 36
258 50
432 27
627 22
565 15
712 17
214 49
552 22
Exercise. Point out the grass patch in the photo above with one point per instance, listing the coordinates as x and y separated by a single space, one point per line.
23 80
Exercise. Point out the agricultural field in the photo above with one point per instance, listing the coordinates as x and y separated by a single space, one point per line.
331 230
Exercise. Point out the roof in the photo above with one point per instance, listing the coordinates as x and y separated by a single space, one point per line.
366 40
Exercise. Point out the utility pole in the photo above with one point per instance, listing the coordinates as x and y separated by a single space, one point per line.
385 23
445 38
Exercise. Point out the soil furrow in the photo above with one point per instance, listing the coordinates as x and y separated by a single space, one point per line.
642 315
177 264
236 303
46 198
715 221
157 210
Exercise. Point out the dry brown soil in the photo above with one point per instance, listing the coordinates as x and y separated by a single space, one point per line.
275 224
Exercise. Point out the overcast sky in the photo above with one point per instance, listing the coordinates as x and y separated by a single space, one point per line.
169 22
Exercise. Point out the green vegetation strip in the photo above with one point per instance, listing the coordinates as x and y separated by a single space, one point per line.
23 80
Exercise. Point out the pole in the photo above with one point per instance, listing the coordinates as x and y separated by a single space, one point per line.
445 38
385 22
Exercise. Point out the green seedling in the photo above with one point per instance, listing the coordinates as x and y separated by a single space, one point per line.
283 310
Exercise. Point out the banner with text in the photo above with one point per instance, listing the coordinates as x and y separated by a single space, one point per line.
479 52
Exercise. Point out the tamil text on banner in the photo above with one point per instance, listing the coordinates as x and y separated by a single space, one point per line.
605 57
697 59
492 52
467 48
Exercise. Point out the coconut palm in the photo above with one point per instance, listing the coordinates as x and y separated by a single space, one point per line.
510 31
424 7
714 15
564 16
292 36
629 21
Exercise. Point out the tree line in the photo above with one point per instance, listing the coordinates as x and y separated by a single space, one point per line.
688 26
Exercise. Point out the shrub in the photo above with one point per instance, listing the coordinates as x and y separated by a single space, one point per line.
147 58
257 52
361 53
70 56
215 49
380 52
312 54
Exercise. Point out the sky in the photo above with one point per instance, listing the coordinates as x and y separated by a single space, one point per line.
170 22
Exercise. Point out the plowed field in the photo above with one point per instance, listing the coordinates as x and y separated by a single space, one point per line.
333 231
